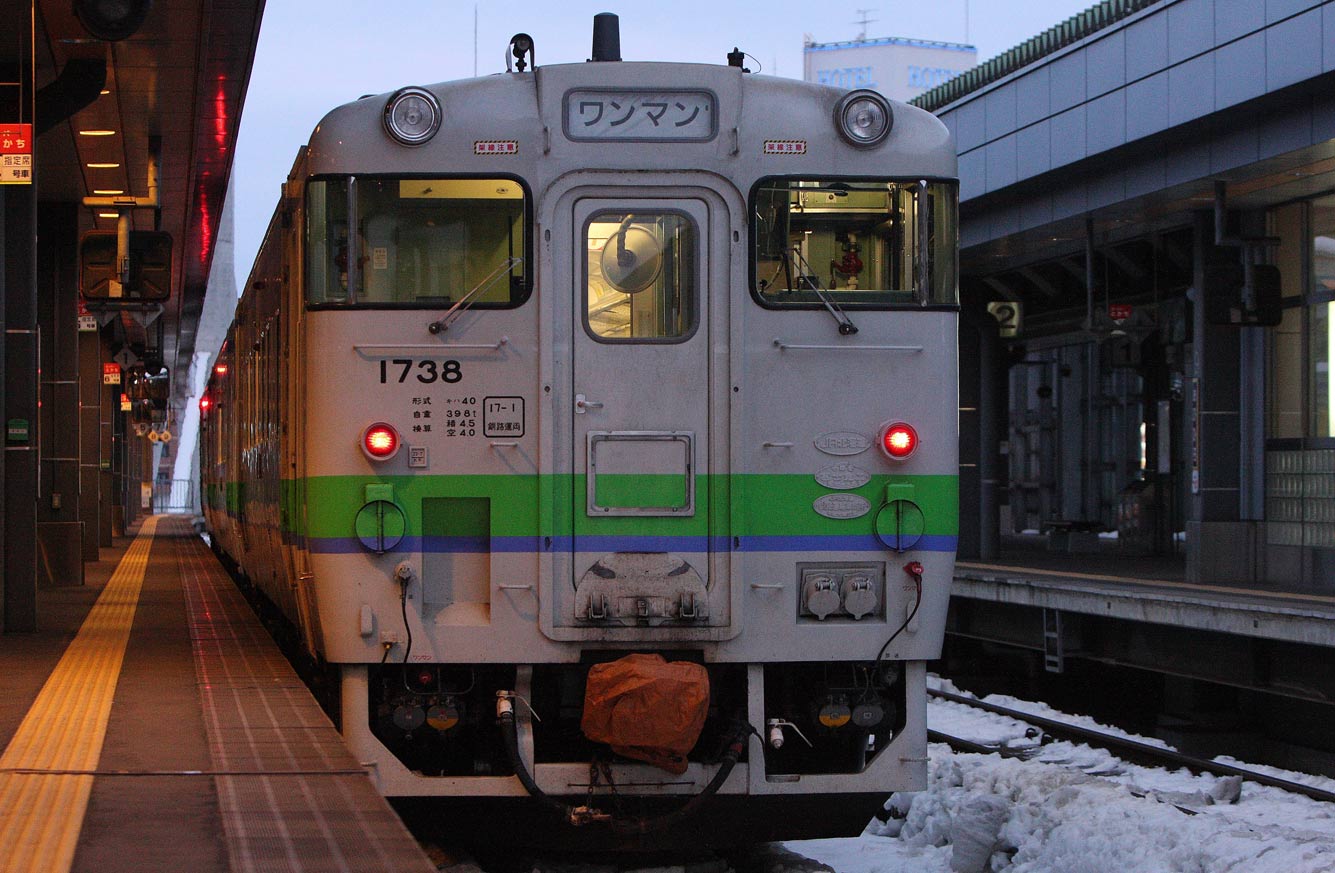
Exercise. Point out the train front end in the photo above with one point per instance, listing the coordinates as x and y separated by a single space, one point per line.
626 359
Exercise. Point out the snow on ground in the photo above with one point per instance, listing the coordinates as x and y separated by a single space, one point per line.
1069 807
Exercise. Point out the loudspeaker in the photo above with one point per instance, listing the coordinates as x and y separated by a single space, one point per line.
112 20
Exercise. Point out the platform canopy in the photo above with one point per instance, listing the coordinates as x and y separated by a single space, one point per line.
175 85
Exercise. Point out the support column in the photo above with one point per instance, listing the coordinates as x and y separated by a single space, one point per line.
19 412
108 399
18 356
90 442
982 420
59 530
1220 544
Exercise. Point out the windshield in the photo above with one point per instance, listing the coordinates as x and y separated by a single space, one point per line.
853 242
418 242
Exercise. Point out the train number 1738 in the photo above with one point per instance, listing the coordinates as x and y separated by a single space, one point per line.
426 371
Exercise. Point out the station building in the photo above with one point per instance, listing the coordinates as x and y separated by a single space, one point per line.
1148 270
1148 325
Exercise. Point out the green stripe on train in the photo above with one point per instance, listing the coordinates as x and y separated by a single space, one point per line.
766 504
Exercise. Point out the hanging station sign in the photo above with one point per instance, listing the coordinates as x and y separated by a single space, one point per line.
87 321
15 154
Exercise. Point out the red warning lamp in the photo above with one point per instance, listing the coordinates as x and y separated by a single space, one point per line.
204 403
220 369
898 440
380 441
424 679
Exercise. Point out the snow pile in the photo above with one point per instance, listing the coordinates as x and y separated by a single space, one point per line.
1069 807
1061 819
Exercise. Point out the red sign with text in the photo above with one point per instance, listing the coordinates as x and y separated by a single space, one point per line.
15 154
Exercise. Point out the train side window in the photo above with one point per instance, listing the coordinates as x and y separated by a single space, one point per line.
417 243
857 242
640 274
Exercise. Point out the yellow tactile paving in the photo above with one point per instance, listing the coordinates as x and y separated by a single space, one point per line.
45 776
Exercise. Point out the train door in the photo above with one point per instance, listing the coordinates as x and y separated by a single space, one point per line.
643 393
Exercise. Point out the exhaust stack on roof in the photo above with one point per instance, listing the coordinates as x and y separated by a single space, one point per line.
606 37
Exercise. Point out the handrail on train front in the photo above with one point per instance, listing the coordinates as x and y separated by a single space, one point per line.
783 346
390 348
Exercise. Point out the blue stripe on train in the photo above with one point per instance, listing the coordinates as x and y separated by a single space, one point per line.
476 545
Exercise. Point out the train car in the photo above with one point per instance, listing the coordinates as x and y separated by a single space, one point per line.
617 393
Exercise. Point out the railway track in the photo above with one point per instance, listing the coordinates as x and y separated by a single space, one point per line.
1130 750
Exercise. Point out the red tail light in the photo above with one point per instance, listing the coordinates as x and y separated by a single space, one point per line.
899 440
380 441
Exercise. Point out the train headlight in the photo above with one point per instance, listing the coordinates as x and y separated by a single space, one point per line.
380 441
863 118
412 115
898 440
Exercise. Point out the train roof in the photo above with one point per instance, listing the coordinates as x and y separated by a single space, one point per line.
529 123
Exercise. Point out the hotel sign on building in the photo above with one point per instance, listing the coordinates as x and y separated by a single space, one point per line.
901 69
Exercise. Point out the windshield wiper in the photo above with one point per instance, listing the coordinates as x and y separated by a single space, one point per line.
808 279
458 309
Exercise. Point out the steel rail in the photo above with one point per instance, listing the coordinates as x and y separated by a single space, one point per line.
1112 742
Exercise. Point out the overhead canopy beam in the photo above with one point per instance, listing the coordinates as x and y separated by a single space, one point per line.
1038 281
1000 287
80 83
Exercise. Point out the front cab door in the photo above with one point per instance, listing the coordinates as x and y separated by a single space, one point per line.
645 294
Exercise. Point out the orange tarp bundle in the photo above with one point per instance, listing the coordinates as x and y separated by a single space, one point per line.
646 708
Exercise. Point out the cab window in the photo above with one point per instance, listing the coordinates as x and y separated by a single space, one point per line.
855 242
414 242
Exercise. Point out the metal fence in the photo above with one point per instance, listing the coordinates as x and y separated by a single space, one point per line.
174 495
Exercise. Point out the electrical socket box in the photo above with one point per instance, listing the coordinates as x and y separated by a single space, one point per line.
840 592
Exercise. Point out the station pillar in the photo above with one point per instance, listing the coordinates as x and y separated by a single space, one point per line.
18 357
90 441
59 529
982 420
1221 542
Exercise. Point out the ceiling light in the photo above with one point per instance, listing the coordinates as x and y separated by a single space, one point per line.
108 190
106 91
108 215
97 133
103 166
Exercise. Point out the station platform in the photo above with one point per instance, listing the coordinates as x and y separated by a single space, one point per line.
1144 589
153 725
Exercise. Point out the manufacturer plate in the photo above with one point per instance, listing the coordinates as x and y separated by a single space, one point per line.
843 477
842 443
841 506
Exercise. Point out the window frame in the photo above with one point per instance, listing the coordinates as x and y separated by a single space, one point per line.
528 255
912 306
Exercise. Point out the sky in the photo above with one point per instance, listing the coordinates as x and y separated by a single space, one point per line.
315 56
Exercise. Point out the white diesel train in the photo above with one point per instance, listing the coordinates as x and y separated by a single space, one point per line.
539 371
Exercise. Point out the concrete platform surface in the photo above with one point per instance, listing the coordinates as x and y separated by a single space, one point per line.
152 725
1145 589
